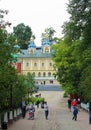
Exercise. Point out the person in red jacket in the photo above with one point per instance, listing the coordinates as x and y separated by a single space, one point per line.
74 103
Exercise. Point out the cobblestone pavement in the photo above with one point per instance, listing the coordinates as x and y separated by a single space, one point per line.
59 116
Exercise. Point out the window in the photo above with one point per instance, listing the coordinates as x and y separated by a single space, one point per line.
39 74
49 74
31 51
42 64
44 74
35 64
27 64
46 49
50 64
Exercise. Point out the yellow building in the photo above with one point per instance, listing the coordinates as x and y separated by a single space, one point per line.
38 61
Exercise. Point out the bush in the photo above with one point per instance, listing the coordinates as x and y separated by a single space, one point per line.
65 94
35 100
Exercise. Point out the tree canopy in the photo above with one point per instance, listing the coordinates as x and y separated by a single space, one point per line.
12 85
23 34
72 54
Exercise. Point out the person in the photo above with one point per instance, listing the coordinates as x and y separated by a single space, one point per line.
69 104
89 109
46 109
75 112
74 103
23 107
31 111
79 103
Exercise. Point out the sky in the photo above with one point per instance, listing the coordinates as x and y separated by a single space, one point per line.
37 14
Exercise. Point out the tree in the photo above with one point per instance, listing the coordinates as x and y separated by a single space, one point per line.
3 23
12 85
79 23
22 33
8 73
19 90
65 61
77 38
85 84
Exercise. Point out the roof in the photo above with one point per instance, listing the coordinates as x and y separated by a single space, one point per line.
31 44
37 54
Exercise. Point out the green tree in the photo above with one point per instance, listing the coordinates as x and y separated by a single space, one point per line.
19 90
31 83
22 33
79 23
8 73
85 84
65 61
77 37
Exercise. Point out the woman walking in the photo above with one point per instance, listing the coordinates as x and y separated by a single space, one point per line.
46 110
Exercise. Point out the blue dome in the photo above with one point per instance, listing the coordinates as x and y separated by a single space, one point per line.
31 45
46 42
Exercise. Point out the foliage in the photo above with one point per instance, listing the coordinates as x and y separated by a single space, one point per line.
30 83
85 84
65 61
72 55
79 23
19 91
22 33
8 74
35 99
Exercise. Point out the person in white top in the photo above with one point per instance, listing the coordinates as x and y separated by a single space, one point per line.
46 110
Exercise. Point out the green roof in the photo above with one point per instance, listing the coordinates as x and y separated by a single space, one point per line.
37 54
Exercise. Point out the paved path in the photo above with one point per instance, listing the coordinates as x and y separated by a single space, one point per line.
59 117
50 88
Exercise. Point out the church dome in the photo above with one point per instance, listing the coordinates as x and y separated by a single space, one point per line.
46 42
31 43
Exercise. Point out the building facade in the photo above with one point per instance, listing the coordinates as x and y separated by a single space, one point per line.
38 61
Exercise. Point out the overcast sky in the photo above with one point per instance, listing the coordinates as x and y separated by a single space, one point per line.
38 14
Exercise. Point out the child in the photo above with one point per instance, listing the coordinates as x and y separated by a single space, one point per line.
31 112
75 112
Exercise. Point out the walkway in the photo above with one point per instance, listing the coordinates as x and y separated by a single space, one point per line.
59 117
50 88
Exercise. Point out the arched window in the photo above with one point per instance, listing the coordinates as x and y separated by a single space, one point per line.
44 74
49 74
31 51
33 73
46 49
39 74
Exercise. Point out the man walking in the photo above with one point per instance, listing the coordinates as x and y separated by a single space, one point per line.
23 107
